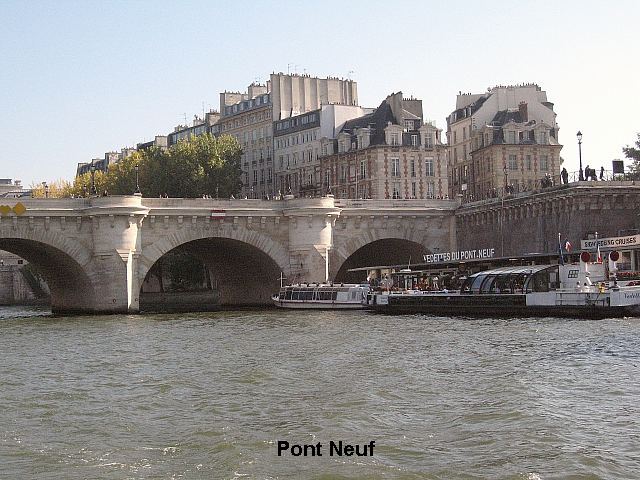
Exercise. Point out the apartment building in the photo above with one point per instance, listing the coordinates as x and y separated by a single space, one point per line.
502 140
103 164
297 147
390 153
250 118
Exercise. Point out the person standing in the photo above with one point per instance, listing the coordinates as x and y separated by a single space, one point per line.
601 173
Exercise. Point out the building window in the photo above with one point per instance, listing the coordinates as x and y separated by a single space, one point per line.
394 139
327 179
513 162
363 169
528 162
413 190
428 167
396 190
413 167
414 140
542 138
544 162
511 136
430 189
428 140
343 173
395 167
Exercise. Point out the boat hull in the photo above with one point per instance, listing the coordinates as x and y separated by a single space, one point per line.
490 306
306 305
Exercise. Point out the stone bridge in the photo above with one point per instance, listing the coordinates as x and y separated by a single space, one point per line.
95 253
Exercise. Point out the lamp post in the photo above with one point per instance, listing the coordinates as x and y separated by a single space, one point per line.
580 173
46 189
93 179
137 192
506 180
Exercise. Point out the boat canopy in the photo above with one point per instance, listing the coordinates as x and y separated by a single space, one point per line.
516 279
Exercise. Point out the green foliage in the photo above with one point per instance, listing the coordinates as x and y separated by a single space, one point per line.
189 169
185 272
633 154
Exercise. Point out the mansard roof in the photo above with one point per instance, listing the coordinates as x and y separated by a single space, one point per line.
506 116
378 120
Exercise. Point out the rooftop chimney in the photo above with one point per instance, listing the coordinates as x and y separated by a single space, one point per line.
524 116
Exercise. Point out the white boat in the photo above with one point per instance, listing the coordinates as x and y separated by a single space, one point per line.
321 296
536 290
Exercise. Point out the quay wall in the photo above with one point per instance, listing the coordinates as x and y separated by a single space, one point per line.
530 222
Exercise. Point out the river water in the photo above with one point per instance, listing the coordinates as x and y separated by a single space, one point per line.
210 395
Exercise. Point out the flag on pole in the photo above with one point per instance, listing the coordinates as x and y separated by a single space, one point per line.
599 260
561 257
567 246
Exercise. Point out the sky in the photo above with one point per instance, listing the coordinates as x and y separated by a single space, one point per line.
80 78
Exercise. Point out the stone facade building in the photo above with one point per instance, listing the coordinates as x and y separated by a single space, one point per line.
103 164
297 147
249 118
388 154
505 139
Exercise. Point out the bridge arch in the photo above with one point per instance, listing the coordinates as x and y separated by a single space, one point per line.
373 247
153 251
245 265
64 264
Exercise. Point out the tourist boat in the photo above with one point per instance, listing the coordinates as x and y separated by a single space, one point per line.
536 290
321 296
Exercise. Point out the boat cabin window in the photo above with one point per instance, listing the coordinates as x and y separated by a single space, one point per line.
513 280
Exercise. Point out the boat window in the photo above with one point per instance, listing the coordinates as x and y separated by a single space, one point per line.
334 295
487 285
540 282
288 295
503 284
475 286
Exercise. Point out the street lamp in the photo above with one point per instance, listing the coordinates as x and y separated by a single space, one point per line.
506 182
93 179
46 189
137 192
580 173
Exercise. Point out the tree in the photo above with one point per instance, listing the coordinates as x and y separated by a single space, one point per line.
56 189
202 165
633 154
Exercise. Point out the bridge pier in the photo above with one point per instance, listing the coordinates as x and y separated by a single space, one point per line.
310 238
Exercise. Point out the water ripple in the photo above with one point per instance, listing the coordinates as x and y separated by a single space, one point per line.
209 396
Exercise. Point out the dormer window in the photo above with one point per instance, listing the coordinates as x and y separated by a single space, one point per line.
511 136
395 139
542 137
